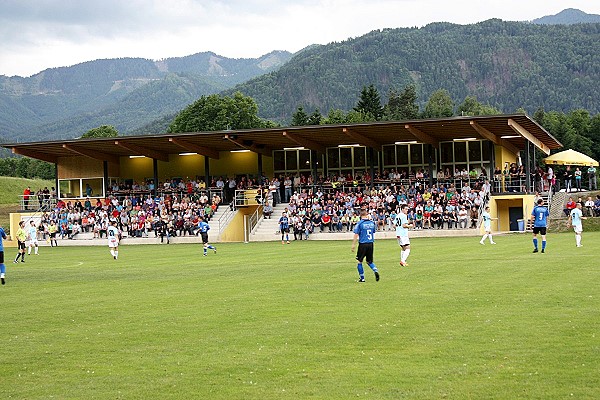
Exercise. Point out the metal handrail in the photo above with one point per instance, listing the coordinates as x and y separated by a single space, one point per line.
255 218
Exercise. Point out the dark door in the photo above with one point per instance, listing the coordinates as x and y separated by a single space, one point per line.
515 214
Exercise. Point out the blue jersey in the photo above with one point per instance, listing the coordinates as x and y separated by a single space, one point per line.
284 223
203 226
365 229
540 213
2 236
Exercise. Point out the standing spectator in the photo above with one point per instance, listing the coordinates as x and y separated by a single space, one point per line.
287 183
568 176
593 185
539 215
364 234
26 194
550 178
578 179
575 221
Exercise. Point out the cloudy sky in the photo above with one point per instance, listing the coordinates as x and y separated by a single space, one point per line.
40 34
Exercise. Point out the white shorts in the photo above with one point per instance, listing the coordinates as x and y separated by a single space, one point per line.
33 242
113 243
403 240
578 228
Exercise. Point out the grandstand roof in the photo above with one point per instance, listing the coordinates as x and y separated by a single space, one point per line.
511 131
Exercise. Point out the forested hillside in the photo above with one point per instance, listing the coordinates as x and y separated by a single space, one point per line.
127 93
509 65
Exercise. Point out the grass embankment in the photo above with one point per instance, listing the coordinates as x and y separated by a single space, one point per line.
266 321
10 191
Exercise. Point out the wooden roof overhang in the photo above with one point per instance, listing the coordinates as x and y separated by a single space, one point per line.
511 131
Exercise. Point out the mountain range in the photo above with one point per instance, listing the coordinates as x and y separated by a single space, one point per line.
551 62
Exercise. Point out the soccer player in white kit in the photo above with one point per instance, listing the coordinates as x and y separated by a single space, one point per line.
402 225
33 240
487 225
575 220
113 234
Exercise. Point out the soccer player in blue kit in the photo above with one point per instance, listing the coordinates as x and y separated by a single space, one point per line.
364 232
284 228
540 216
203 229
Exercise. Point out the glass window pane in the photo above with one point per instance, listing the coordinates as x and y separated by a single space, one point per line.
446 152
402 154
346 157
291 160
333 158
416 153
485 150
278 160
460 151
475 151
360 158
93 187
304 159
69 188
389 155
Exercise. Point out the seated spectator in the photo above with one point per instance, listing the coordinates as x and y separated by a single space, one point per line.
589 207
463 217
267 211
597 206
474 214
569 206
325 222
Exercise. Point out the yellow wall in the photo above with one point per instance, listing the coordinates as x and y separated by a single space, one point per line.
84 167
499 206
137 169
234 232
504 155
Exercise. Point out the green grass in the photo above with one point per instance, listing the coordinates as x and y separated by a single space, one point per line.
12 188
266 321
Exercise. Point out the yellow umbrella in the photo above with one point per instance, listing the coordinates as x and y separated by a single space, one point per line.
570 157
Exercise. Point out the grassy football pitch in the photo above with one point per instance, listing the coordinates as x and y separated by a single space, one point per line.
266 321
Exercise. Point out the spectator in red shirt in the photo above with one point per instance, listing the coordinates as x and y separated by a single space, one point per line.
569 206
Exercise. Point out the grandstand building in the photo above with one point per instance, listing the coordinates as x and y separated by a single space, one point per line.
362 154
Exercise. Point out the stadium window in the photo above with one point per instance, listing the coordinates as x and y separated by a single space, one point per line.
474 151
460 152
69 188
416 154
346 157
447 152
389 155
279 160
304 159
402 154
485 151
360 157
333 158
291 160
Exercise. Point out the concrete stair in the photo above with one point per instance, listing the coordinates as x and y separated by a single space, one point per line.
266 229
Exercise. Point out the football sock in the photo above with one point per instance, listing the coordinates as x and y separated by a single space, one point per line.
36 250
491 239
543 244
112 252
373 267
116 254
361 271
406 253
29 251
211 247
484 237
535 243
578 239
2 269
402 255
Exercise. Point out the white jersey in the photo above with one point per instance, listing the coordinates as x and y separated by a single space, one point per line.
113 236
576 219
400 220
32 234
487 220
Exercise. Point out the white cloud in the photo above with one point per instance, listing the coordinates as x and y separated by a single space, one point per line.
39 34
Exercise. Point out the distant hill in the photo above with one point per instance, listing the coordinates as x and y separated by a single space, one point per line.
127 93
506 64
568 16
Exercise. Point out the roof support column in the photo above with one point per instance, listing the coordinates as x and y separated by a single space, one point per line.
259 166
207 173
56 180
430 151
155 176
491 176
105 178
315 164
527 157
372 164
